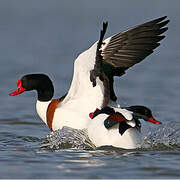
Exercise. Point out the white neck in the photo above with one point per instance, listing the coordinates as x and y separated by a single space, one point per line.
41 108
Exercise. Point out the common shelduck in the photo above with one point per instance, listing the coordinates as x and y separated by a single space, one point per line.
118 127
94 70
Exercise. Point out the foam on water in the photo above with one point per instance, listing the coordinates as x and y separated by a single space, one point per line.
166 136
68 138
163 137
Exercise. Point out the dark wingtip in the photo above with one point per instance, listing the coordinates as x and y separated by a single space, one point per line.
161 31
105 24
97 71
103 31
159 38
161 18
164 17
158 21
164 23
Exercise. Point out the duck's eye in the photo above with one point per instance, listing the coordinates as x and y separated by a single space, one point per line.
146 111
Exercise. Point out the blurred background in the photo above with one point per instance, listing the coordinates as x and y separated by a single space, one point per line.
46 36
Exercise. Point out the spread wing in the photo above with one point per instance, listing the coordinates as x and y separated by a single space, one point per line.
121 51
132 46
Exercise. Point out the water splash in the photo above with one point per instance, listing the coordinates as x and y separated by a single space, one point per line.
163 137
68 138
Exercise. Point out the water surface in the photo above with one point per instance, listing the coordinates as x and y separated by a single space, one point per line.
46 36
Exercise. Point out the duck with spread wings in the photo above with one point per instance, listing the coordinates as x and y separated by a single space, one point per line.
94 70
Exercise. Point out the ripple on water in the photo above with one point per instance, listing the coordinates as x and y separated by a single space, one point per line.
163 137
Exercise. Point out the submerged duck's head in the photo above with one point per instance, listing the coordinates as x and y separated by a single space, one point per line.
39 82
